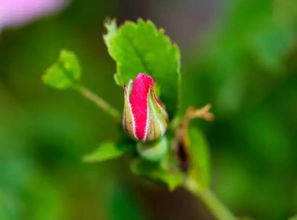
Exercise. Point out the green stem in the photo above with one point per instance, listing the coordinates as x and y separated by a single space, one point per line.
101 103
215 206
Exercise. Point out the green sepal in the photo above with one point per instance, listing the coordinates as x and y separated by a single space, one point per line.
153 151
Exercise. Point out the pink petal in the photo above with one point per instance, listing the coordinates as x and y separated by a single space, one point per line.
139 102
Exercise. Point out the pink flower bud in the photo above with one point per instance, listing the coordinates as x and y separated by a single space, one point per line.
145 118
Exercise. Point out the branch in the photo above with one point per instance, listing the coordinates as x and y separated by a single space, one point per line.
215 206
101 103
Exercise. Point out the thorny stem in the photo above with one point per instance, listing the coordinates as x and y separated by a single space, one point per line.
181 136
102 104
181 144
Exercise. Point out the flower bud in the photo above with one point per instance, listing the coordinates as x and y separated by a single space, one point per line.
145 118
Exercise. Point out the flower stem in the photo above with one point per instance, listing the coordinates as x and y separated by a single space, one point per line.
215 206
101 103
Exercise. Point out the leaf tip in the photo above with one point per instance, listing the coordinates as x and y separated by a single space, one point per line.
64 73
110 24
111 28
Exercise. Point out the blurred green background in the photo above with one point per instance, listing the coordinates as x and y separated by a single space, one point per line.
240 56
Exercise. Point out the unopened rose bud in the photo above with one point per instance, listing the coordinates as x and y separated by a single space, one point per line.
145 118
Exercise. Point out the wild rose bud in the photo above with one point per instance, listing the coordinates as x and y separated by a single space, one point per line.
145 118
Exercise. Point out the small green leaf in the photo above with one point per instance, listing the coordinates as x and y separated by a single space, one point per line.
106 151
155 172
141 48
200 169
65 73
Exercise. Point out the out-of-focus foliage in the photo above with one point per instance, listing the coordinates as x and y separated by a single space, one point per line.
121 206
247 69
293 218
245 66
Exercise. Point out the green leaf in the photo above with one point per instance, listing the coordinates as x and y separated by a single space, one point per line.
141 47
106 151
155 172
200 169
65 73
